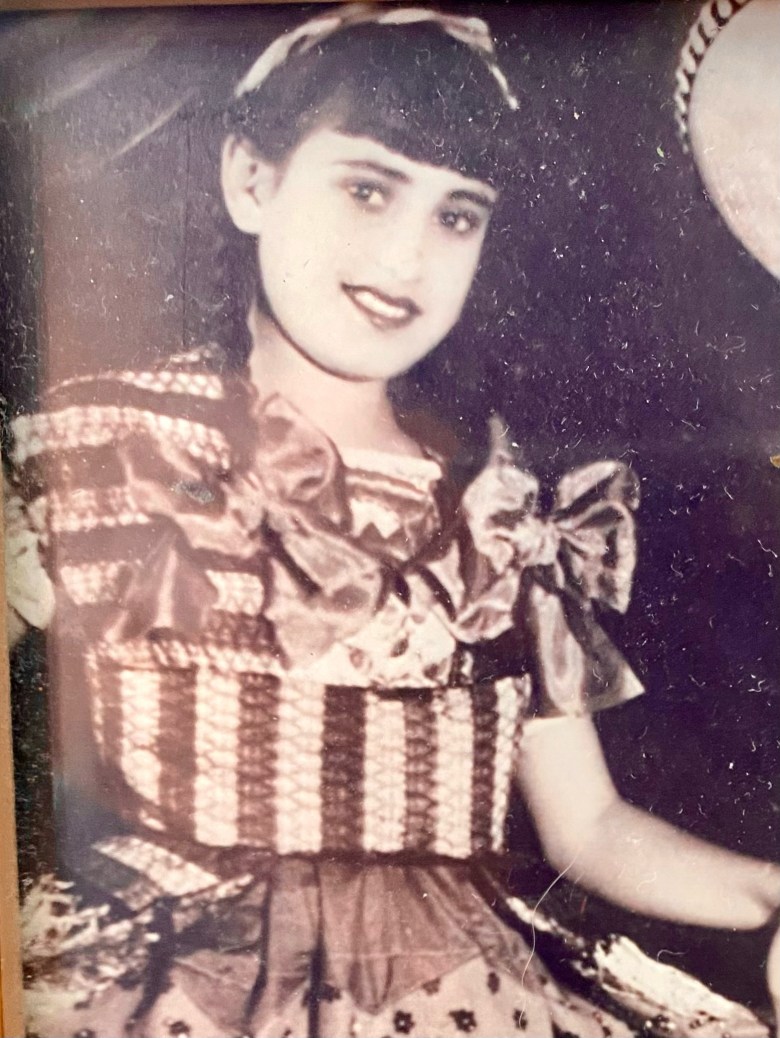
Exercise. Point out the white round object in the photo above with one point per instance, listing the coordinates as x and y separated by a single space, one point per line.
731 63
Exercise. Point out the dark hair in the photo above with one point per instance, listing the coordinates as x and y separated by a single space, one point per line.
418 91
413 87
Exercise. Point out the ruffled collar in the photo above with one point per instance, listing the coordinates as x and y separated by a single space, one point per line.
296 464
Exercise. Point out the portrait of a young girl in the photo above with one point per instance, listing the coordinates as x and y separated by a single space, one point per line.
317 634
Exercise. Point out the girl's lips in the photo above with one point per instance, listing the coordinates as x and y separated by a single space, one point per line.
383 311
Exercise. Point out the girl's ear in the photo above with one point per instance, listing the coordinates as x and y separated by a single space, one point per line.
248 181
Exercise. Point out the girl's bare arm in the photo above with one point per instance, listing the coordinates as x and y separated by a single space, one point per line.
625 854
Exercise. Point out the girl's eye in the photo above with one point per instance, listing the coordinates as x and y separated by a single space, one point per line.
460 221
368 193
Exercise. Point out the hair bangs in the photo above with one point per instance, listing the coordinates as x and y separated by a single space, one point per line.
413 88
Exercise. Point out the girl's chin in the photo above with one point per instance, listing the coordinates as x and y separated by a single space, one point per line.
346 372
381 356
359 370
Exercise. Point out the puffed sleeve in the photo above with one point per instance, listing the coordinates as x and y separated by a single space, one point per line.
82 466
179 503
546 577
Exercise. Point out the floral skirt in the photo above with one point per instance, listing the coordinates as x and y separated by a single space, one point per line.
156 945
472 999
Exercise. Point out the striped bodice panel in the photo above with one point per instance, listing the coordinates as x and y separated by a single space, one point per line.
296 767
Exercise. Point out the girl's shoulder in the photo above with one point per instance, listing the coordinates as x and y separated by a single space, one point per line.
191 400
172 384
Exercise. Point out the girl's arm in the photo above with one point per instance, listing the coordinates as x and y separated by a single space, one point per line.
625 854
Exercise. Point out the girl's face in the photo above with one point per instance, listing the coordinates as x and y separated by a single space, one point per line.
367 256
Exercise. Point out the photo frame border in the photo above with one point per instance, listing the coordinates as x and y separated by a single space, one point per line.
11 985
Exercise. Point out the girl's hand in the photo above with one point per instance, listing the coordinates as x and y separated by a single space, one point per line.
29 592
773 974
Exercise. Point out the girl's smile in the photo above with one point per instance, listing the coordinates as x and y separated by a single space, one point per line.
383 311
366 256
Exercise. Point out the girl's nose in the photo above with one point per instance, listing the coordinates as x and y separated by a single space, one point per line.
401 252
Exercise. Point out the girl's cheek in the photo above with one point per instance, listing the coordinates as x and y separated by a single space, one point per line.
365 240
458 264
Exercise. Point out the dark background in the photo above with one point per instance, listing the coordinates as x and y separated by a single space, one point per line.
628 323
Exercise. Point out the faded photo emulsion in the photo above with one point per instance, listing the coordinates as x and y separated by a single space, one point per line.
391 439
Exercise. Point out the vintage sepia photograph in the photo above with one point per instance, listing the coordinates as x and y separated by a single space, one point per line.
391 457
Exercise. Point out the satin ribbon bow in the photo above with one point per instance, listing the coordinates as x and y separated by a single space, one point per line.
284 513
287 515
542 574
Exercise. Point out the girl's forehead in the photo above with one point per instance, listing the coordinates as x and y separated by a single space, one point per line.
333 147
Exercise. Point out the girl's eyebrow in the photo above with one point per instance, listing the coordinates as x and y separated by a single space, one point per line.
376 167
463 195
459 195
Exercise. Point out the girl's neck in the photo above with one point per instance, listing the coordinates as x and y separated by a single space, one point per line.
353 414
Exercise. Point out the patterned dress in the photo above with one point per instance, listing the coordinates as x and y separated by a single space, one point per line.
309 674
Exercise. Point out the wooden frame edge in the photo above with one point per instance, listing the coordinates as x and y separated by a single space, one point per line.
11 1001
19 6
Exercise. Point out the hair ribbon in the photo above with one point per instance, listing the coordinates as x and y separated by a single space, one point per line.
472 31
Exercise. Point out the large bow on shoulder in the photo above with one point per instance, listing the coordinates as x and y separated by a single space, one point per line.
593 519
545 573
283 514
